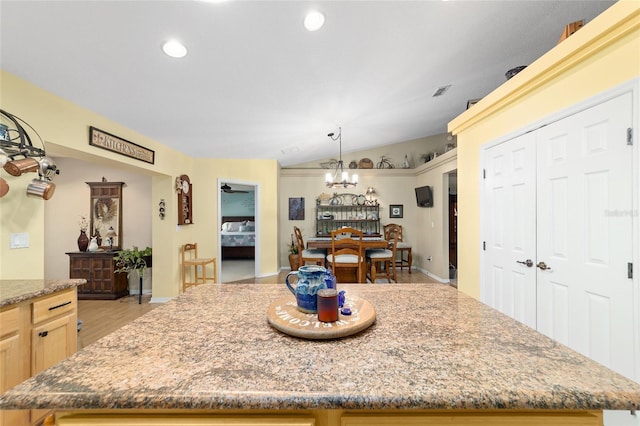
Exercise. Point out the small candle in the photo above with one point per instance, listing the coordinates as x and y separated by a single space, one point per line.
328 305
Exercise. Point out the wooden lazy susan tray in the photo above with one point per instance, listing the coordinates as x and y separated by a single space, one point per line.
283 315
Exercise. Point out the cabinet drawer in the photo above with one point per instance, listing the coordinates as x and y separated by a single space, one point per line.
55 305
9 321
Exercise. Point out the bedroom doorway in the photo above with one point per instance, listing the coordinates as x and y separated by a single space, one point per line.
237 223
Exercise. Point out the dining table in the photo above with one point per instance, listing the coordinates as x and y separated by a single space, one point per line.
347 275
376 242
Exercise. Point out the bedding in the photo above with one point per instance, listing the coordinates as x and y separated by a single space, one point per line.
238 237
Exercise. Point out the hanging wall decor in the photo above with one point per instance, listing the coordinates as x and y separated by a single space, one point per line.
113 143
185 200
106 211
296 208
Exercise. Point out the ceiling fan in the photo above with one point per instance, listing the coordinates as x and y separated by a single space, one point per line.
226 188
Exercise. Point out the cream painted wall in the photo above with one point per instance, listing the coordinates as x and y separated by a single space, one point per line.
64 127
432 223
263 174
392 187
71 200
20 214
413 149
601 55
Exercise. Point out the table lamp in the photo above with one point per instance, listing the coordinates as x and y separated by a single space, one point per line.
110 234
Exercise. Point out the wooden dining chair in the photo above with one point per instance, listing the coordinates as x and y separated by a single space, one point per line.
190 259
347 252
379 259
315 256
393 231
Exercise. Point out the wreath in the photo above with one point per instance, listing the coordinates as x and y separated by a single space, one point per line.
105 209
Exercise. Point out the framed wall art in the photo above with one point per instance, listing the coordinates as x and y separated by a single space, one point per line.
396 210
106 212
296 208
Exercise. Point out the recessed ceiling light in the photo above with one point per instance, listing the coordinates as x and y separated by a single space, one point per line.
174 48
314 20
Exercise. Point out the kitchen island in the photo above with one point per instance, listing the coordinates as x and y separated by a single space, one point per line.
432 353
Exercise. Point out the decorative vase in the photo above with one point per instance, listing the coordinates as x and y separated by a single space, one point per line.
93 245
83 241
98 238
294 261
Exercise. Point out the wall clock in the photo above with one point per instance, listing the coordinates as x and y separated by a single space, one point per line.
185 200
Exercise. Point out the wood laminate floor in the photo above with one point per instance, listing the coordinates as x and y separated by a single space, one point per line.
102 317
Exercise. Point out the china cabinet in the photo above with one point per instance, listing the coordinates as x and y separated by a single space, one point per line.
347 210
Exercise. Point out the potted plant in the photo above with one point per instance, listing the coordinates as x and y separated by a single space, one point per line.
294 258
134 260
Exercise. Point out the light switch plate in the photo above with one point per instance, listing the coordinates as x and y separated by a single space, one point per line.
20 240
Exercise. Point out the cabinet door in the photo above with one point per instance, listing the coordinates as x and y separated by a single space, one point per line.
102 275
80 267
53 341
11 356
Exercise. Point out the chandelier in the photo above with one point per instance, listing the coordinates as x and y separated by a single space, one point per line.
339 178
18 156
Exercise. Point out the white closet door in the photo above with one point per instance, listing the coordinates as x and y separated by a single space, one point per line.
584 236
508 283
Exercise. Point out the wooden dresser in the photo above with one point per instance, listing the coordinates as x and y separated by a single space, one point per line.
98 268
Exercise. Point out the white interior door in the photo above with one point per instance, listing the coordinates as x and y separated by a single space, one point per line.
510 242
584 182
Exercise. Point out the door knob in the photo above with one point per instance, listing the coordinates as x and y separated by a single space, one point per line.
543 266
527 262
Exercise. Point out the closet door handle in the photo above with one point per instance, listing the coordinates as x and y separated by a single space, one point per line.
527 262
543 266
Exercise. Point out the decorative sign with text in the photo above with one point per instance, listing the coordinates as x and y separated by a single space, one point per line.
113 143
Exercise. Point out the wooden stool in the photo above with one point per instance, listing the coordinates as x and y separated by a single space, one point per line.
190 259
402 248
393 231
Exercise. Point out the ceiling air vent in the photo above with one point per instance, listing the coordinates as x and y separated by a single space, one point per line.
440 91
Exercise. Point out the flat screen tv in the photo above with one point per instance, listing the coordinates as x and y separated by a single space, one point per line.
424 196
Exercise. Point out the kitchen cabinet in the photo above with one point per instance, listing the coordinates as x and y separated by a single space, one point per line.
98 268
324 417
13 353
34 335
54 332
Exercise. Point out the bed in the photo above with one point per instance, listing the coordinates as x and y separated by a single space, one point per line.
238 237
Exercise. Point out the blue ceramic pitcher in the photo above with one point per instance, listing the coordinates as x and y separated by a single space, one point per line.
308 280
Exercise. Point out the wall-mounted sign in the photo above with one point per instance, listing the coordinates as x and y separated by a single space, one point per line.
113 143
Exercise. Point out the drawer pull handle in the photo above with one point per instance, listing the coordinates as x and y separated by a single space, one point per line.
43 334
60 305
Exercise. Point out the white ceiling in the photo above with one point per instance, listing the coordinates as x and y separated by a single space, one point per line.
256 84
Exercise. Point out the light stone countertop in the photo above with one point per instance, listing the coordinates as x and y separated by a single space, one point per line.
431 347
16 291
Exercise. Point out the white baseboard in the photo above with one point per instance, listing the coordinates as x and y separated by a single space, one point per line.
435 277
160 299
